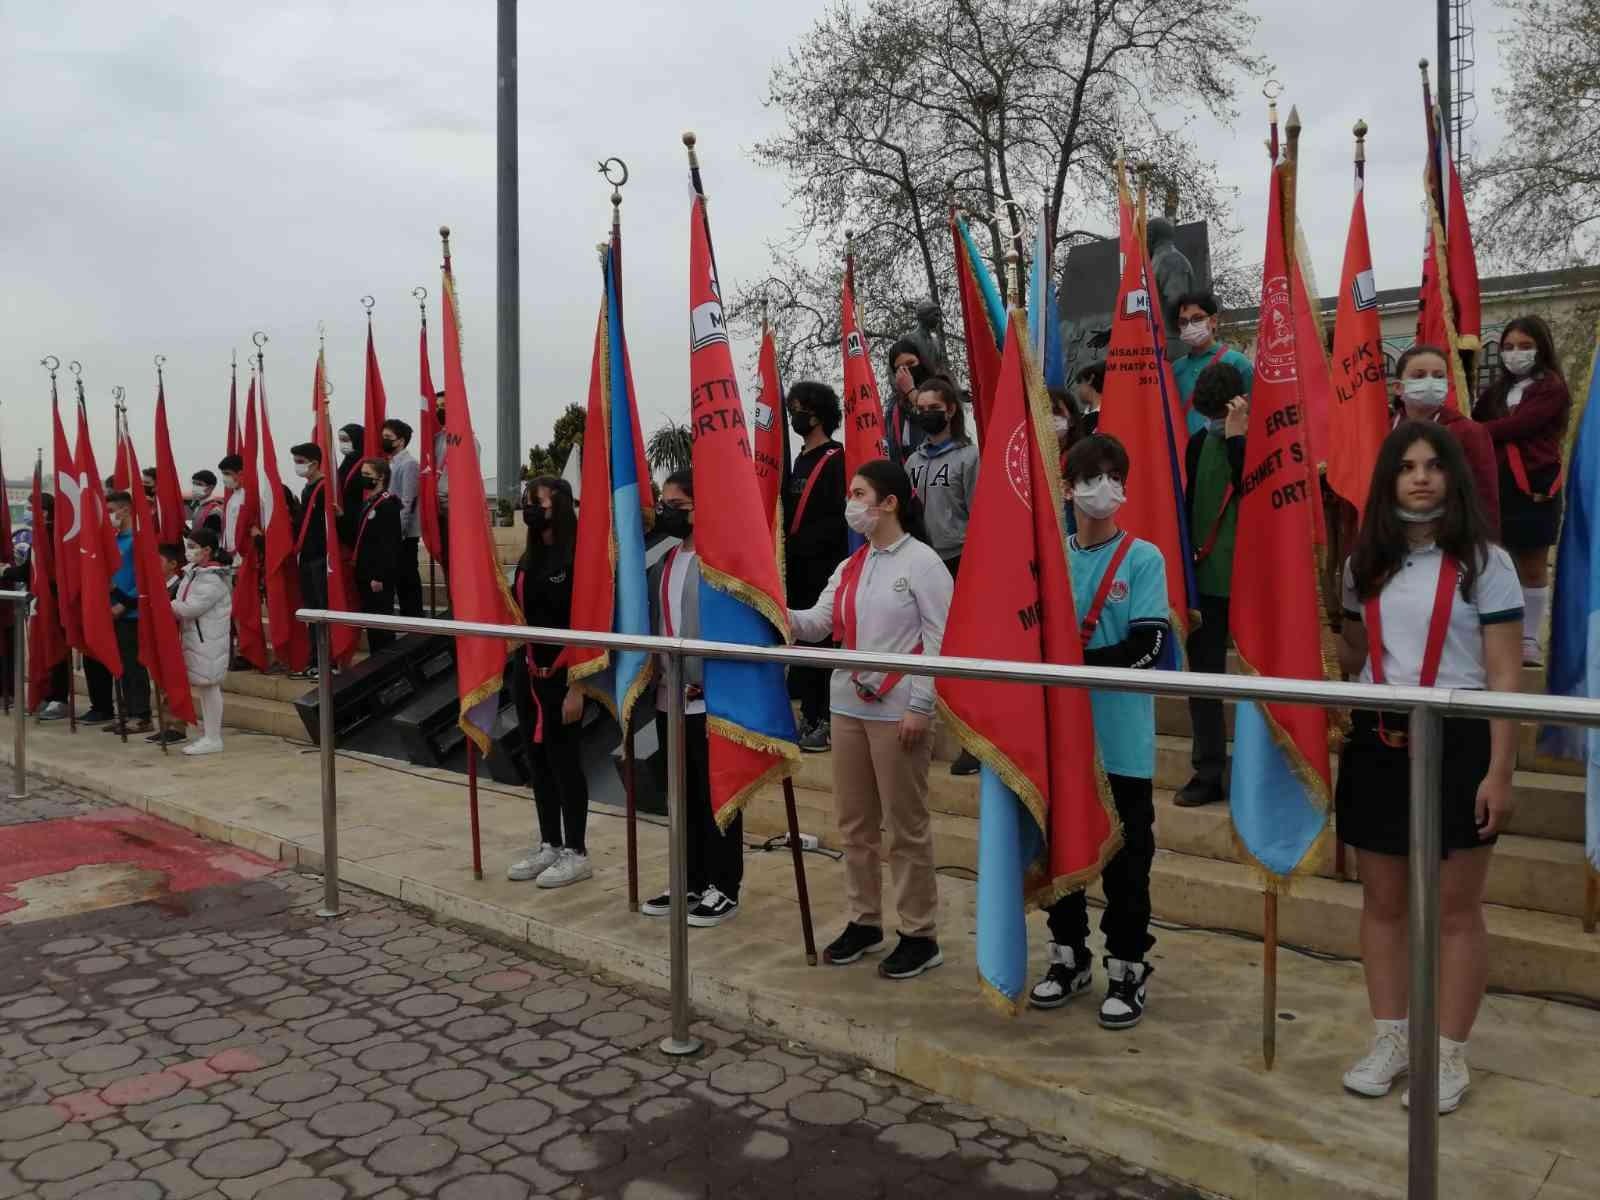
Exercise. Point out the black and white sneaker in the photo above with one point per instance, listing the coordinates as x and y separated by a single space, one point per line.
1070 974
818 739
714 908
850 945
661 906
911 958
1123 1007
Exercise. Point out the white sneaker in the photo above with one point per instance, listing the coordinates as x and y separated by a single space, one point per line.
54 710
1453 1080
1065 979
204 746
534 862
571 867
1532 654
1375 1074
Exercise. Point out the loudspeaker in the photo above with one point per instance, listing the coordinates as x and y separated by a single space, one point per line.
376 687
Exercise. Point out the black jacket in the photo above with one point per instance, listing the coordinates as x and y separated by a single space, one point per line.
311 530
543 590
377 540
821 542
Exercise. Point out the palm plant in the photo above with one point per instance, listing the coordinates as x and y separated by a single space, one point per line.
670 448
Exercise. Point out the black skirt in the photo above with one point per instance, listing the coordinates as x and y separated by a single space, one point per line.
1526 523
1372 797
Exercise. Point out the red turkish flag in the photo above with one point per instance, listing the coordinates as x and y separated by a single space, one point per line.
172 518
345 638
427 469
233 413
1360 418
100 557
47 641
252 639
68 531
772 435
377 404
863 412
291 644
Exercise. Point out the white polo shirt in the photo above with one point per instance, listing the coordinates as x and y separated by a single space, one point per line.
1406 608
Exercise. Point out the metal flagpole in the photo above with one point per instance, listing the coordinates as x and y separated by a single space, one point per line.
19 681
508 410
472 808
631 801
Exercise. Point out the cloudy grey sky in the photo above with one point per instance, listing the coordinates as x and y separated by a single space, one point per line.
180 173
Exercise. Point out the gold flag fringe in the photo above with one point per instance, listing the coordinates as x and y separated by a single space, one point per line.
787 764
1458 373
994 998
776 614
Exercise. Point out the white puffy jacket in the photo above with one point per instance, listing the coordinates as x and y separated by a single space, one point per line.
204 607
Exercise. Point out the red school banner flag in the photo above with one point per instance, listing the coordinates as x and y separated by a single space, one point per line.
1360 418
983 334
172 518
345 638
291 642
863 411
427 434
772 436
47 641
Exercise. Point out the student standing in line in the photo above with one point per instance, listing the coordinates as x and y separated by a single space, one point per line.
203 605
891 596
376 552
1197 326
1428 602
907 373
816 539
716 857
403 481
125 614
311 540
172 564
1088 387
1214 469
1420 386
351 439
1525 411
204 505
233 507
944 475
1119 589
549 712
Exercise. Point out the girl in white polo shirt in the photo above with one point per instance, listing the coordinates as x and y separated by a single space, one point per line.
892 596
1429 602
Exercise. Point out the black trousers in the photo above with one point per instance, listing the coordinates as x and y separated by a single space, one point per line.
1208 652
102 688
382 603
313 592
560 791
135 679
809 687
716 858
444 537
1126 920
408 579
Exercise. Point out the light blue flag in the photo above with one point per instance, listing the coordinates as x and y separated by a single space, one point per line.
1044 315
1273 814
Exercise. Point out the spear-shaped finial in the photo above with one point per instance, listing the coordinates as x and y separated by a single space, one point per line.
1360 130
1292 128
444 237
368 303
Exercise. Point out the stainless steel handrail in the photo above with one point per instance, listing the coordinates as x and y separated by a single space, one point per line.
19 687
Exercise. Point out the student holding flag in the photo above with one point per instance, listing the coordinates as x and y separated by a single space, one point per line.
125 612
311 547
1525 410
1119 585
1428 602
892 596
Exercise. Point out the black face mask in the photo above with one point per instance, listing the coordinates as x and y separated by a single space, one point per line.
535 517
390 445
801 423
674 522
933 420
439 413
369 485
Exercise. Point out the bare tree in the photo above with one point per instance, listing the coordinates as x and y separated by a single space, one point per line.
901 108
1537 200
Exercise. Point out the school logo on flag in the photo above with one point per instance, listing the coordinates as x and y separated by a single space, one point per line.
763 416
853 344
1275 354
706 327
1136 303
1364 290
1018 465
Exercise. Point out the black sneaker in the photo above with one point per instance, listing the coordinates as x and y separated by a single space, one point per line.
965 764
850 945
714 908
661 906
171 737
1198 792
95 716
1071 972
1123 1007
911 958
818 739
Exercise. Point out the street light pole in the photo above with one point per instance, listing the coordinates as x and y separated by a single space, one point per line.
508 319
1445 128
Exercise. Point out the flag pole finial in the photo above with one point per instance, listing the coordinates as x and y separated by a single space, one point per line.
421 294
369 303
160 361
689 142
1360 130
259 340
617 177
444 238
52 364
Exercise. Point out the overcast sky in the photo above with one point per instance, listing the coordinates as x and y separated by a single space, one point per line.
179 174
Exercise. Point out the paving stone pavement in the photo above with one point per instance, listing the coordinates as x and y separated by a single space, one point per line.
225 1044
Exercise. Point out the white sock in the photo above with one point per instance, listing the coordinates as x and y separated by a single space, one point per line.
1534 603
1446 1046
1401 1028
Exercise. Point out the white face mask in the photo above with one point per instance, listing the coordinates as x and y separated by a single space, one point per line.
116 520
199 491
192 553
1099 497
862 517
231 482
1424 393
1418 518
344 446
1518 362
302 469
1195 333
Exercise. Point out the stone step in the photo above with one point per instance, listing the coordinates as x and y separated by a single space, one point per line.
1530 950
255 703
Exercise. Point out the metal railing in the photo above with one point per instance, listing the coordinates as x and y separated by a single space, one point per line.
19 688
1427 708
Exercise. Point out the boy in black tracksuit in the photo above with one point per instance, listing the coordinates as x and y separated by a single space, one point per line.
377 547
311 537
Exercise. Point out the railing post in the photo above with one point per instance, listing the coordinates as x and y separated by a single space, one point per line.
680 1042
330 786
19 700
1426 838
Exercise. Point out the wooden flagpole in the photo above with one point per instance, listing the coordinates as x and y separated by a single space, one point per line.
803 893
472 807
628 767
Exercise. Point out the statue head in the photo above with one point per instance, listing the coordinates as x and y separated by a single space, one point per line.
1161 232
928 315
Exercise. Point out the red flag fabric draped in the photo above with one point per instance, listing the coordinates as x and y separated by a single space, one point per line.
1139 409
291 644
47 640
160 646
377 404
252 639
1015 604
863 411
121 479
99 557
68 530
7 552
427 469
1276 613
1316 380
1445 300
983 350
172 518
1360 418
341 586
772 440
478 589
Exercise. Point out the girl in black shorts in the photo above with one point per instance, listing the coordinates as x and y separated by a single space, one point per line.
1428 602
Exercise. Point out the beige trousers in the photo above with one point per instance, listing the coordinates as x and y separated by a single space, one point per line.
877 784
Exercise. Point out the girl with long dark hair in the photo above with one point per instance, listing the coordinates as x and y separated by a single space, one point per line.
1429 602
892 596
549 712
1525 410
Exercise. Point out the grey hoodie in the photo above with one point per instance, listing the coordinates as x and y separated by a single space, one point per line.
944 477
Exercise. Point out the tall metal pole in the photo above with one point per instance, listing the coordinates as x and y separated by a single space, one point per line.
19 706
330 788
1445 99
508 357
679 1041
1426 838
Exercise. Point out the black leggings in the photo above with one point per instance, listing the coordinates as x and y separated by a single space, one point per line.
716 858
1126 920
560 791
